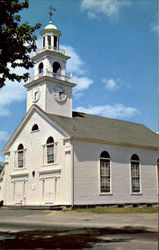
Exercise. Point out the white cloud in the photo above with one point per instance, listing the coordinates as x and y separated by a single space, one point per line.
111 84
3 135
15 92
118 111
10 93
74 64
83 83
39 42
92 15
156 28
79 94
109 8
155 25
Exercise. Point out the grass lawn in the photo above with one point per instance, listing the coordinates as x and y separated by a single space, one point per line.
103 210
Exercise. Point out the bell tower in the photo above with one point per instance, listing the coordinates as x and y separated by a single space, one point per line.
50 88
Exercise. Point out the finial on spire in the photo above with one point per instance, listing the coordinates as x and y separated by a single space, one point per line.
51 13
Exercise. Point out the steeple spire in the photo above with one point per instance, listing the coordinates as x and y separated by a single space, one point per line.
51 13
50 88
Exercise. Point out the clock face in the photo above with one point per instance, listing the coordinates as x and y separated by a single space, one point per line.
35 95
60 94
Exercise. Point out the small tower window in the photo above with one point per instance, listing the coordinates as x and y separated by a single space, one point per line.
20 156
35 127
56 68
41 68
55 41
49 41
33 173
43 42
50 150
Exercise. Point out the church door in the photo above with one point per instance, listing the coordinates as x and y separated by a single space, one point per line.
19 190
49 191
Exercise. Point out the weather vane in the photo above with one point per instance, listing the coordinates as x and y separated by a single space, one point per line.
51 13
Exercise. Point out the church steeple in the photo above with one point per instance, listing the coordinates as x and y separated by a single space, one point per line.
51 35
50 88
51 12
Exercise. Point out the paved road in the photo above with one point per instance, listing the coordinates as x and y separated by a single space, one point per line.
72 230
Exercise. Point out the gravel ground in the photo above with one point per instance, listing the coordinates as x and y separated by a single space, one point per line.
31 229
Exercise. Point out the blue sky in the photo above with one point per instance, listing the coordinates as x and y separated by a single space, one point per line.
113 44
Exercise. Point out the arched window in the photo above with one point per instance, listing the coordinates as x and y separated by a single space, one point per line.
135 174
41 68
56 68
35 127
50 150
20 156
104 172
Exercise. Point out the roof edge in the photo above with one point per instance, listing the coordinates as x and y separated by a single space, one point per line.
118 120
75 138
24 121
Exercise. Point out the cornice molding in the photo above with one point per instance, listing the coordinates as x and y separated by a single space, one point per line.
50 52
48 78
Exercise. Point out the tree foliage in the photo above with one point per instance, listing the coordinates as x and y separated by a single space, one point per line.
17 41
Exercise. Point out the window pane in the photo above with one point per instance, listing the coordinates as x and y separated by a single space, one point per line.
20 159
135 185
50 150
135 176
20 164
105 184
50 158
135 169
50 153
105 175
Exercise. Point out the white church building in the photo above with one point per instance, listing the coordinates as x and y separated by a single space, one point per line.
58 157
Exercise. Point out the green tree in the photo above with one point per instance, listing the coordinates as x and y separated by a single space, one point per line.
17 41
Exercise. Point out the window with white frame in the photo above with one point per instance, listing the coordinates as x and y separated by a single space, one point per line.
35 128
135 174
104 172
20 156
50 150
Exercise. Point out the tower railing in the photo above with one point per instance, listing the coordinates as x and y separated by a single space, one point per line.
58 50
51 74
